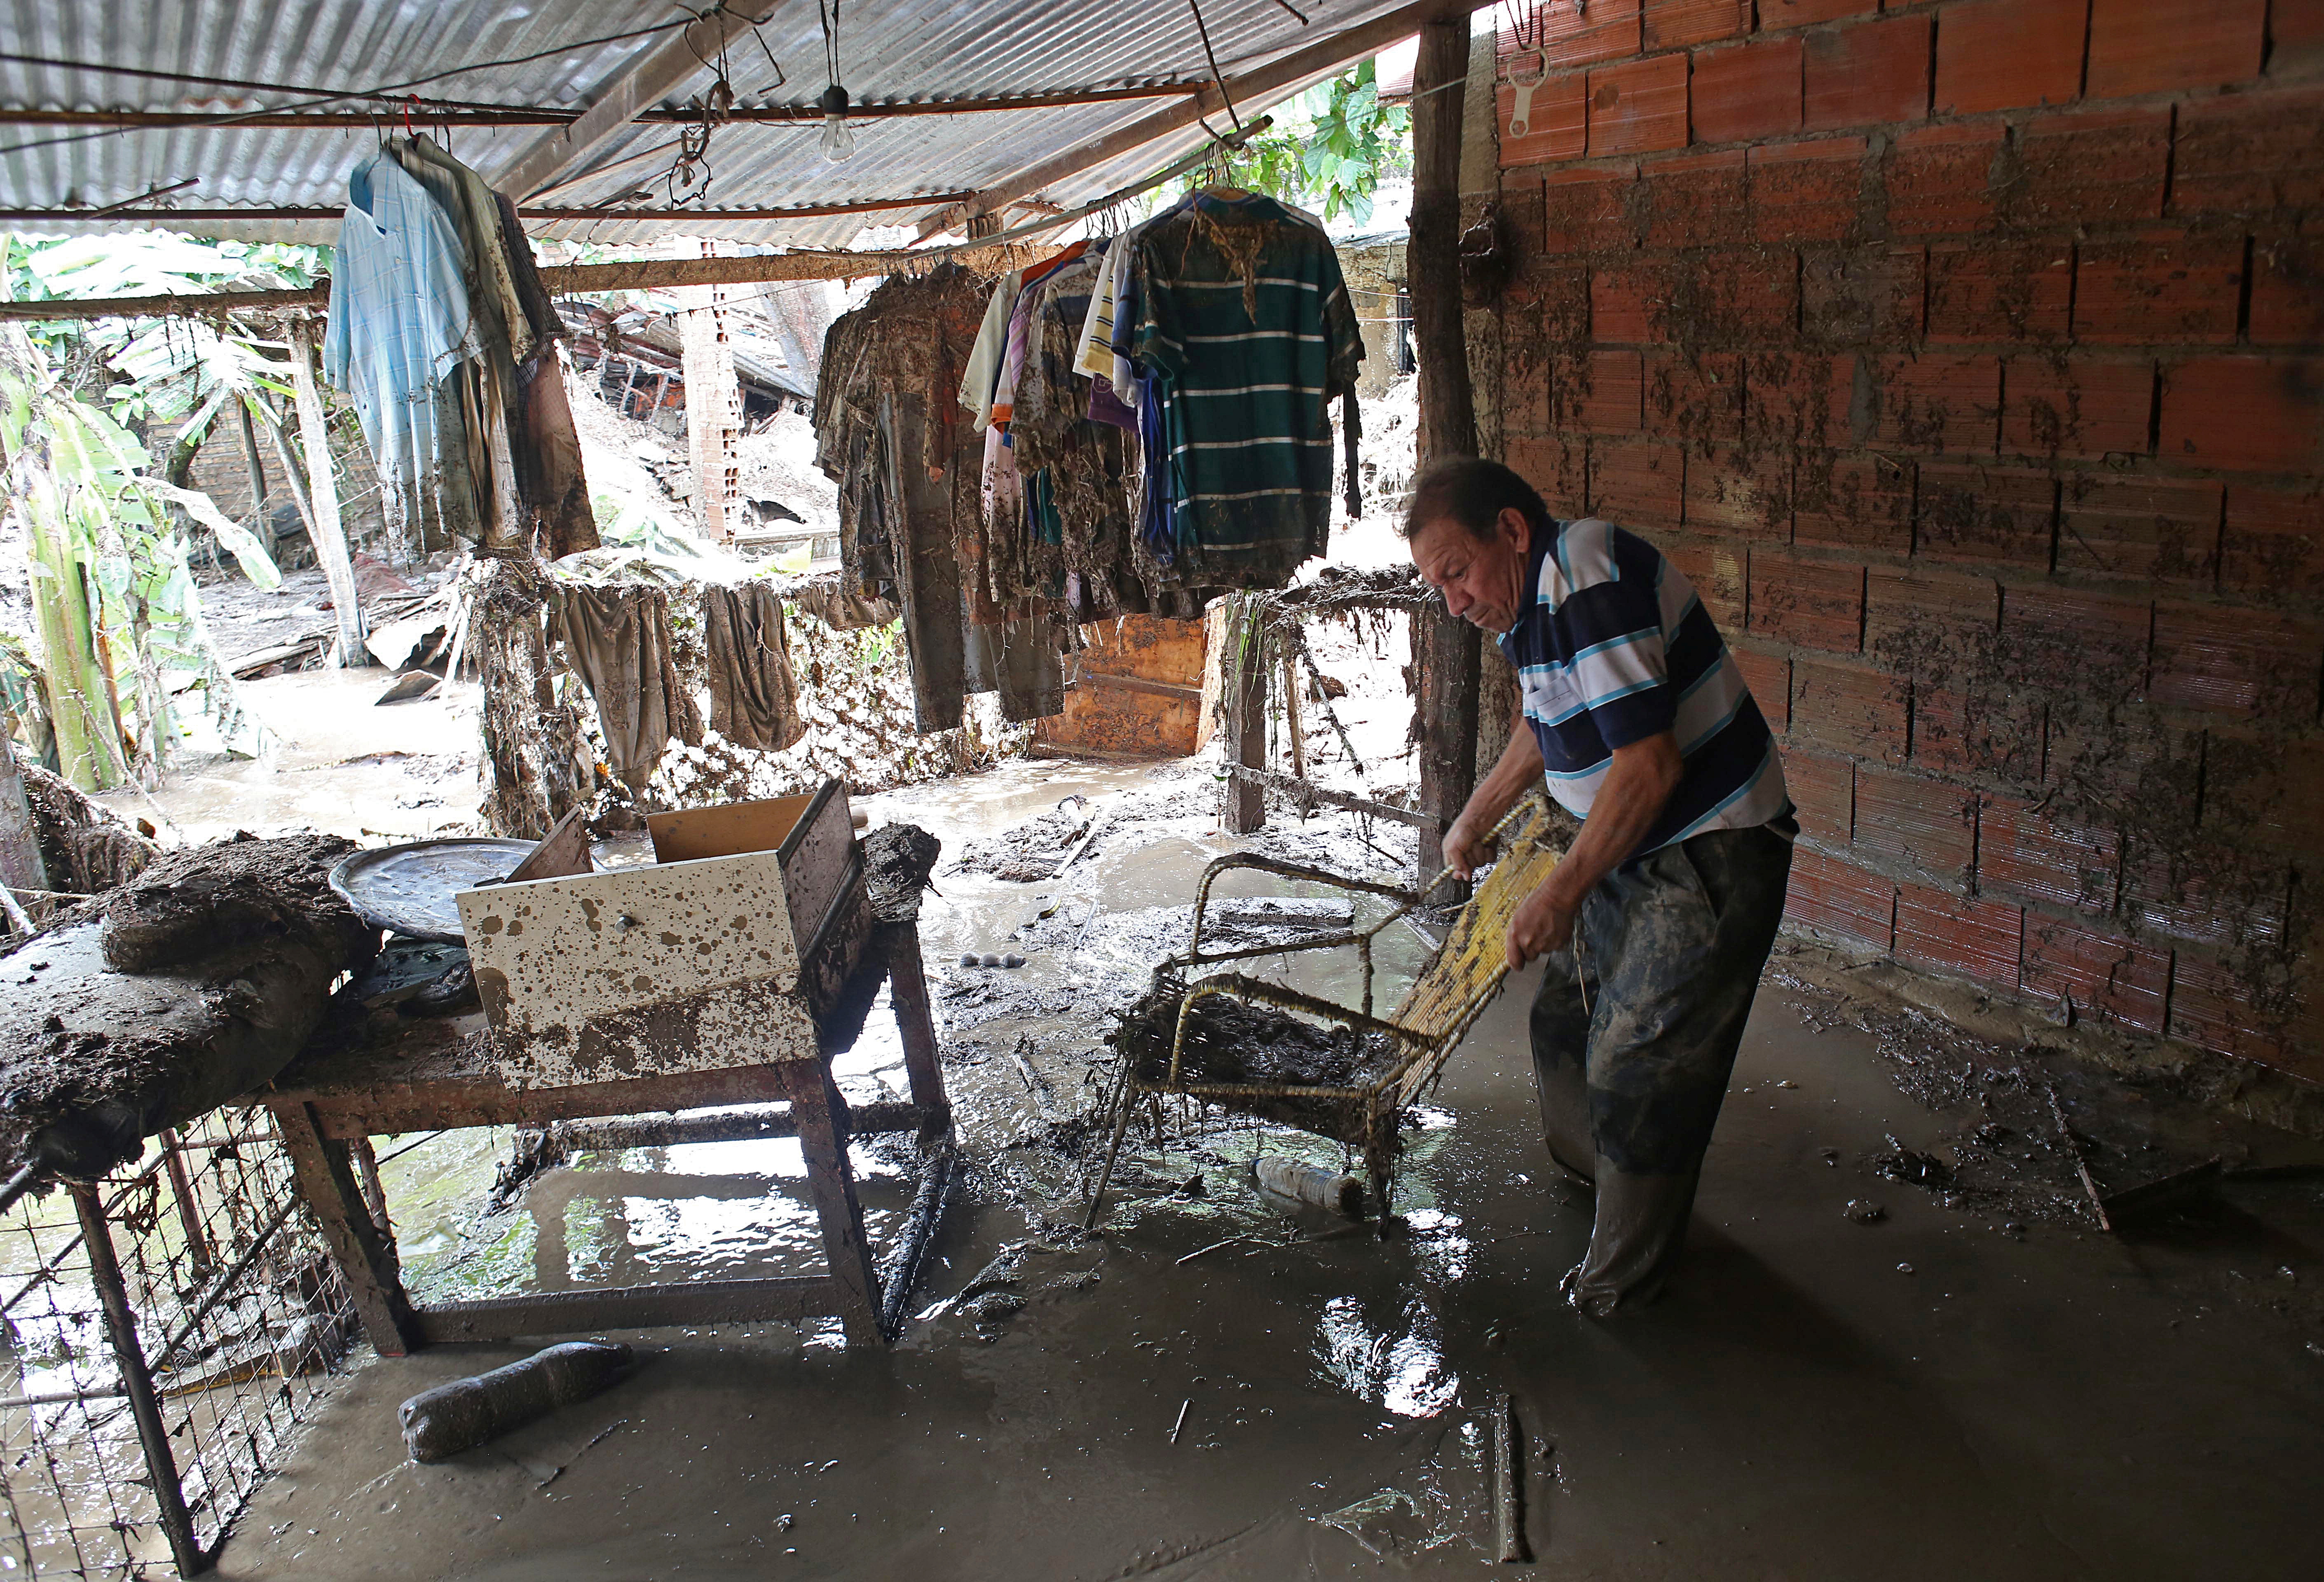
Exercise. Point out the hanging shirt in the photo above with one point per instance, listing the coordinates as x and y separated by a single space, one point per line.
399 314
985 357
1247 326
1614 646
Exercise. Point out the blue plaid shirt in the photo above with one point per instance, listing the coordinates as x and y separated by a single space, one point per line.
399 314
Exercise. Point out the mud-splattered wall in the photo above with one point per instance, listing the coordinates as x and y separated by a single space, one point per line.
1969 358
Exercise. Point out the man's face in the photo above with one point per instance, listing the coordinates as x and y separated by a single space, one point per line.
1483 579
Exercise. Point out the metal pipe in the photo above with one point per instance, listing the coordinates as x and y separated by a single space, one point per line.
138 1384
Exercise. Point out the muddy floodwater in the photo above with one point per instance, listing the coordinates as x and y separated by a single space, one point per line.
1970 1383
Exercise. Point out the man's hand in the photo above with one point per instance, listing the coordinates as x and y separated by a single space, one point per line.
1465 846
1545 923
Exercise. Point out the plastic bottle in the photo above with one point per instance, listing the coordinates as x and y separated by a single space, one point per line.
1325 1188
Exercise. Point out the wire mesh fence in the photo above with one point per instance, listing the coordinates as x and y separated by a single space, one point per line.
130 1438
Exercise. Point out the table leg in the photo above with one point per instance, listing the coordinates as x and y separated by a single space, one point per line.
366 1258
821 1114
908 992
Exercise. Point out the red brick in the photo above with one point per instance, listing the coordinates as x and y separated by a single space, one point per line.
1990 731
1981 295
1745 297
1629 304
1807 191
1525 393
1747 93
2095 167
1695 200
2097 758
1977 940
1695 399
1735 502
1558 295
1554 466
2063 639
1988 515
2247 414
2262 792
2114 979
2212 1005
2208 893
1769 677
1635 483
2156 530
1921 826
2272 548
1842 709
1873 74
2084 409
1799 400
2158 290
1521 212
1862 296
1600 393
1940 178
1557 121
2250 662
2157 46
2008 54
1638 105
1931 624
2248 154
1934 403
1824 790
1585 210
1570 35
2287 295
1671 24
1809 604
1717 573
1775 14
1846 502
1839 898
2026 855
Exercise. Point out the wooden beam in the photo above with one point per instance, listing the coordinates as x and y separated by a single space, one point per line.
1445 645
664 68
1266 82
808 116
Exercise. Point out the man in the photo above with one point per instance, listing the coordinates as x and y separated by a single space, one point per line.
1658 921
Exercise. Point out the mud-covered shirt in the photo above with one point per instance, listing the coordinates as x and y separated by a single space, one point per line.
1615 648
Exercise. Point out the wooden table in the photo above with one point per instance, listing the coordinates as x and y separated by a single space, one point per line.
388 1074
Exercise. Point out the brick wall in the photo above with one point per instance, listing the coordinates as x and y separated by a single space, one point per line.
1969 358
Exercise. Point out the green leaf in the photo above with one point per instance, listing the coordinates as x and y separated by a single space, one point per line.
257 564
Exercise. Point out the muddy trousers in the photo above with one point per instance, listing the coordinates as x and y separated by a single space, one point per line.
1634 1037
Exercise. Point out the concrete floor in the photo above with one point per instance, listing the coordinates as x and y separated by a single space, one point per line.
1928 1396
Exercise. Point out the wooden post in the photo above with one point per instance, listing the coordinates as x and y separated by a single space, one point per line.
256 470
323 498
821 1114
366 1258
908 995
711 403
138 1384
1443 647
1243 806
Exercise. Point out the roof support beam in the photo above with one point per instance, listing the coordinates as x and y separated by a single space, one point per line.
664 68
1325 55
547 215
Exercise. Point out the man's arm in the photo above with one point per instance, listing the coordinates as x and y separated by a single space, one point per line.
1517 772
1639 784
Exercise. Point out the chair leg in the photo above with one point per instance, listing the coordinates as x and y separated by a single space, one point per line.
1120 1124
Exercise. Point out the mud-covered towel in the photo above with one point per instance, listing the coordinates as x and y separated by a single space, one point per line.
618 639
753 691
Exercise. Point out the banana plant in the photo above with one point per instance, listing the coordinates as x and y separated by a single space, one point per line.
118 612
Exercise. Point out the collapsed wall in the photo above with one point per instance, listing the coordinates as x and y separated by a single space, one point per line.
1970 359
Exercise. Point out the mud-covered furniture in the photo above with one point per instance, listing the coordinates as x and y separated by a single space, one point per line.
728 973
1261 1049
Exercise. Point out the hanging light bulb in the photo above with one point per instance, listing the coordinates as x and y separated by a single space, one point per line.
838 142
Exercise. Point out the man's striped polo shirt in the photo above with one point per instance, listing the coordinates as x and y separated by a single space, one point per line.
1615 648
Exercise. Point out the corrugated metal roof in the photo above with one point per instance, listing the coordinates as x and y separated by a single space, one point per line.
932 48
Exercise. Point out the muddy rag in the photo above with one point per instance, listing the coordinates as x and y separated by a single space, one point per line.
618 641
753 691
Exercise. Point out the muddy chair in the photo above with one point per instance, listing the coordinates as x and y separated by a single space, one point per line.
1210 1038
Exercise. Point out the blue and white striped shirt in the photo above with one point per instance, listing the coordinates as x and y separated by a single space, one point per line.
1615 648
